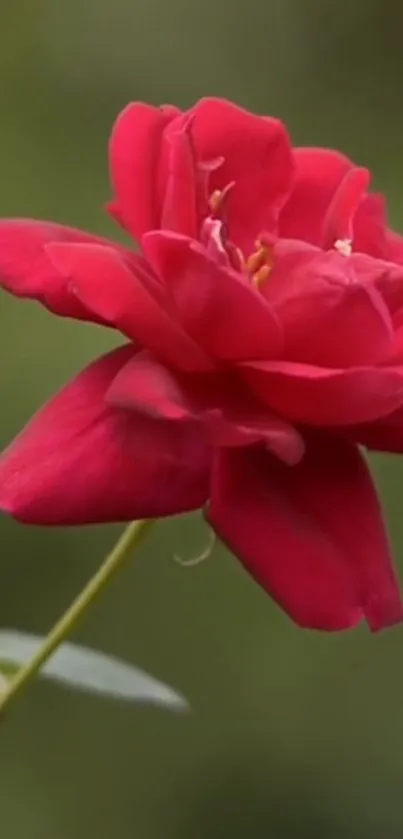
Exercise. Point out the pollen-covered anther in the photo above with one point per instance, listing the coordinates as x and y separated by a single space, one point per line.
259 264
344 246
215 201
260 276
218 200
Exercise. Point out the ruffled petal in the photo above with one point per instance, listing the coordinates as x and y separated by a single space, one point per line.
126 295
229 414
82 461
311 535
257 158
27 271
319 396
217 306
154 170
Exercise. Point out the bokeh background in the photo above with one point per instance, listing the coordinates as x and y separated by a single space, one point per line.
292 734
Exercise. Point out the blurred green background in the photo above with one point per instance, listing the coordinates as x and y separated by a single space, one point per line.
292 734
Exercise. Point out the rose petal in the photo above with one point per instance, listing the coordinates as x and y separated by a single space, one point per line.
387 279
318 396
320 190
231 416
218 307
27 271
318 297
256 157
131 300
394 247
384 435
339 219
183 183
319 173
311 535
134 151
81 461
369 227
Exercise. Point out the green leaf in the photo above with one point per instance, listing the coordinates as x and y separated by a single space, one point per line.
87 670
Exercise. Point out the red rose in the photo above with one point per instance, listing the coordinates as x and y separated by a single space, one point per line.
265 321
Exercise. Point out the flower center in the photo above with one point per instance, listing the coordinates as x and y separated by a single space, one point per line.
258 265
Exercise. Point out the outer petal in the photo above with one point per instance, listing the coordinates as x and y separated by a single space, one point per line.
319 174
319 396
220 308
311 535
27 271
81 461
231 416
134 151
127 296
257 158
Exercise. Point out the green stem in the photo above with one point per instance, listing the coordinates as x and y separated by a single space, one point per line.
130 539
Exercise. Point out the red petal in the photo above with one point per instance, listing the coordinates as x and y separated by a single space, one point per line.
182 183
319 396
320 296
319 173
220 308
134 151
396 352
81 461
394 247
232 417
27 271
323 190
339 219
311 535
132 301
385 277
113 209
369 229
257 157
385 435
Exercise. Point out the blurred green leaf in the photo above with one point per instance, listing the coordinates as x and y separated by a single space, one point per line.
87 670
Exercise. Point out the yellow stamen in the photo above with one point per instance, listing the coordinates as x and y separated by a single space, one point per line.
215 200
259 264
260 276
256 259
